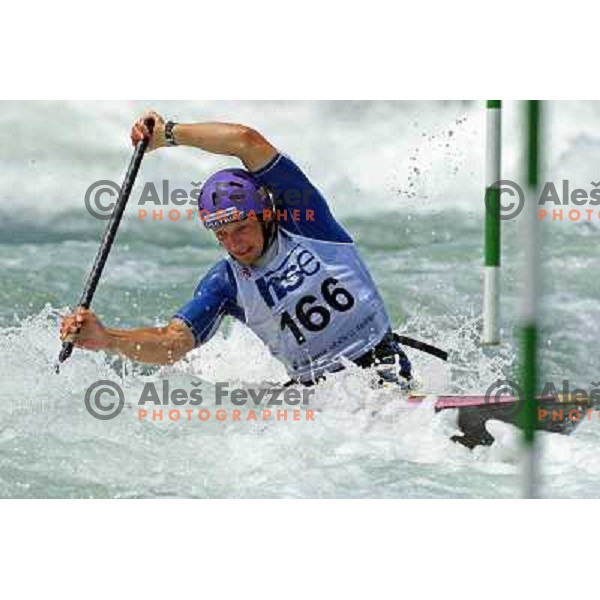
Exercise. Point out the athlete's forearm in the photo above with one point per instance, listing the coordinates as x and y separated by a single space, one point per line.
227 138
218 138
153 345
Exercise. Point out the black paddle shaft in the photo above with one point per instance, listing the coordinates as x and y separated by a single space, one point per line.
109 234
422 346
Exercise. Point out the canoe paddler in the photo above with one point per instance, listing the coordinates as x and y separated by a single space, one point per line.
291 273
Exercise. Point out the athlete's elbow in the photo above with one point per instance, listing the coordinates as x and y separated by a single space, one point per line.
254 150
249 139
169 353
178 341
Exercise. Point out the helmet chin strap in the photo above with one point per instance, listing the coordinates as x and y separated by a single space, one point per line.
268 230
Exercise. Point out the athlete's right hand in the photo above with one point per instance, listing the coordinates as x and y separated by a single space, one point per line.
84 330
139 131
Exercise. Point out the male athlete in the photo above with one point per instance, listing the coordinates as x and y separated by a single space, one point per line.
292 274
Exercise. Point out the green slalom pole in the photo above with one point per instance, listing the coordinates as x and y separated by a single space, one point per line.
491 269
530 299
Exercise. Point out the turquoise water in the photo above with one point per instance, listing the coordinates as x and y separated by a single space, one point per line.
406 180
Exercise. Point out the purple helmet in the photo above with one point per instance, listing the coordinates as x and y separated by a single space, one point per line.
231 195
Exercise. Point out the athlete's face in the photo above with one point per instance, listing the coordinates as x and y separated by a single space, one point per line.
244 240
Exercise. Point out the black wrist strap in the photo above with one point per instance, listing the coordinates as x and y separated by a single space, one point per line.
169 137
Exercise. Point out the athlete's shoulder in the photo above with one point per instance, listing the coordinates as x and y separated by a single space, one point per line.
300 206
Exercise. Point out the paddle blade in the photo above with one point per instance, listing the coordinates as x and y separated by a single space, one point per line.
65 352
